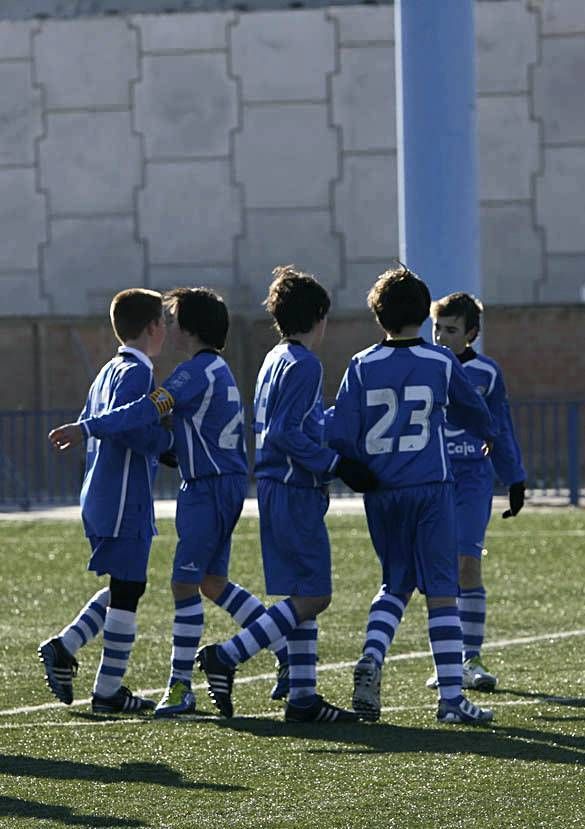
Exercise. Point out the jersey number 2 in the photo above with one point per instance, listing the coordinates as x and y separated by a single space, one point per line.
376 444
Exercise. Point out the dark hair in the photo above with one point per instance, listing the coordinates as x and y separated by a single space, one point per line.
202 312
296 300
399 298
460 304
132 310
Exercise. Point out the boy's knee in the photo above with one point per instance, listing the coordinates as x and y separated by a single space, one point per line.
125 595
307 607
183 590
213 586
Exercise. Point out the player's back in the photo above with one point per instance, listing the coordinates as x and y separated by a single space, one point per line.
390 412
208 418
288 400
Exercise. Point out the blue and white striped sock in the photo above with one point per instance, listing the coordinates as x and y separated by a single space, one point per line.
472 607
302 660
278 621
245 608
447 644
385 615
187 631
88 623
119 635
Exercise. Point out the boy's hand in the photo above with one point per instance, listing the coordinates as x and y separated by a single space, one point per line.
66 436
356 475
516 498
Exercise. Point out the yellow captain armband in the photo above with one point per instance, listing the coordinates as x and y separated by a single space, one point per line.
163 400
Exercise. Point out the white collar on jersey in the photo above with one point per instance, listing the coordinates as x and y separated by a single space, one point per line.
126 349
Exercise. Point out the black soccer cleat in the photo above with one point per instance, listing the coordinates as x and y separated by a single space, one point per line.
319 711
220 678
122 702
281 687
60 668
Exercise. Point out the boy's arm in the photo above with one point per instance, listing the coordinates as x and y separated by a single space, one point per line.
299 391
182 385
505 455
467 409
144 410
344 426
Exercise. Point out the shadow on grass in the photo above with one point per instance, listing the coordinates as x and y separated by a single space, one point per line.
505 743
158 774
15 807
571 702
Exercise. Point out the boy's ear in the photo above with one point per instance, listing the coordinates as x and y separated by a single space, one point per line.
472 334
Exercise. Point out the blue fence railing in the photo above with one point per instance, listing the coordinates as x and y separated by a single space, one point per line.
32 474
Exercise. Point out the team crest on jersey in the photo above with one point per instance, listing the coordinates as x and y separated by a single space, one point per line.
180 379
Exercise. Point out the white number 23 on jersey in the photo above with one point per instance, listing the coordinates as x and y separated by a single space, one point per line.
376 442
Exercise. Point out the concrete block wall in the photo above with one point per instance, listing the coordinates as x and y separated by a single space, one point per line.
205 148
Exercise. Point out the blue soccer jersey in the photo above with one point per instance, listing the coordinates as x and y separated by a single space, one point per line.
208 418
485 376
116 495
390 411
289 418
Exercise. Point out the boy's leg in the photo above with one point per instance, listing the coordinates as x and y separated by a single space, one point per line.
474 485
244 608
109 695
187 630
446 644
385 614
58 654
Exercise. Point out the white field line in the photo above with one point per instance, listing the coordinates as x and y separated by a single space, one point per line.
331 666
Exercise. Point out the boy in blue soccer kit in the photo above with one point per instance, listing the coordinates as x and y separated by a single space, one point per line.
208 425
292 466
456 324
390 414
117 511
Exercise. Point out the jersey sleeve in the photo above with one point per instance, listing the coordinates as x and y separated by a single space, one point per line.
300 390
132 409
466 409
344 424
506 456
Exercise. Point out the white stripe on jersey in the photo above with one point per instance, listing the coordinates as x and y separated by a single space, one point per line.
189 440
418 351
372 357
124 489
202 411
478 363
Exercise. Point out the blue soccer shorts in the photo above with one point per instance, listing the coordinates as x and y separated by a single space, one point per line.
123 558
207 512
414 535
295 544
474 487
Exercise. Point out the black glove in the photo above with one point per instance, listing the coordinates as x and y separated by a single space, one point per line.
356 475
516 498
169 459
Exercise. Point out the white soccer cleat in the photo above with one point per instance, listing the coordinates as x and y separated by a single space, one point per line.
366 688
476 676
463 711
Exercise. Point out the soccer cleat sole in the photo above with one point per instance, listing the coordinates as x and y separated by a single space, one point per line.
365 711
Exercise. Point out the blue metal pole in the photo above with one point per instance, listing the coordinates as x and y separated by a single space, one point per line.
436 141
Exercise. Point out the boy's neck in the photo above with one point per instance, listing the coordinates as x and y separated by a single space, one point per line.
409 332
139 344
306 338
